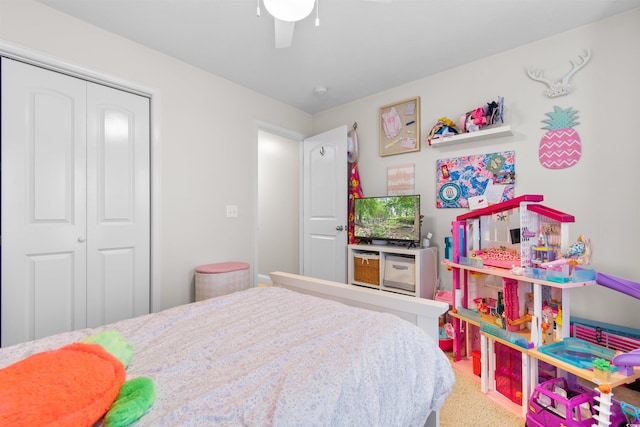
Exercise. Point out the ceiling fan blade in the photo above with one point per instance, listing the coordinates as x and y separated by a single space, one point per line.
284 33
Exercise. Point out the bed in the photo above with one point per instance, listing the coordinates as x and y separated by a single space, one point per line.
274 356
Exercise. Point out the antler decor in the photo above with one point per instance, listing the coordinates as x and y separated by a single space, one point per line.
559 87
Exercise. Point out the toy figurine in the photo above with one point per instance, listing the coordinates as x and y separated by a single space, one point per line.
580 251
542 238
578 254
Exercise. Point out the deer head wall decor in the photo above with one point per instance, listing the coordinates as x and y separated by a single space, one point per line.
562 86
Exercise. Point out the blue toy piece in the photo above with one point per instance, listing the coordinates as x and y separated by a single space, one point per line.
631 412
578 352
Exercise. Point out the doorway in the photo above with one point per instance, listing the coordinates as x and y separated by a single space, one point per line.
278 203
292 234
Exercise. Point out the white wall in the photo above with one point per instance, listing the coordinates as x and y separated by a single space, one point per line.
599 191
208 137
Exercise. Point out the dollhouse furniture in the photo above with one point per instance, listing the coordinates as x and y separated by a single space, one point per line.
497 253
222 278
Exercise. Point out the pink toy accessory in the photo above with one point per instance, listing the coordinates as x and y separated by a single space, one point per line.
478 117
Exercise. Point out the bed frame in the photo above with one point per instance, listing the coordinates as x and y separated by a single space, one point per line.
421 312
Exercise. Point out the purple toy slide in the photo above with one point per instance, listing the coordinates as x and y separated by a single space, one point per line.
626 361
621 285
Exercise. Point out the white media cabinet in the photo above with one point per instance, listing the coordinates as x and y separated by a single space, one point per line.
423 263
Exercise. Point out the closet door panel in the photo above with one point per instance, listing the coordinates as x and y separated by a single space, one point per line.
53 298
51 145
116 159
118 197
43 203
117 284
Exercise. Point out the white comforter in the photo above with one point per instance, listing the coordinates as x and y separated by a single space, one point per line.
269 356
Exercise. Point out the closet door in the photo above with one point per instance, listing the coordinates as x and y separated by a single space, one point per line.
75 204
43 202
118 200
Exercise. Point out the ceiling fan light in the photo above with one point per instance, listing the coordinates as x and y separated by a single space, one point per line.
289 10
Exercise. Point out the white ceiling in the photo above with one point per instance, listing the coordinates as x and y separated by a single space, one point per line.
360 48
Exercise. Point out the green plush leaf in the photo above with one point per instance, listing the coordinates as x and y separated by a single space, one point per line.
135 398
114 343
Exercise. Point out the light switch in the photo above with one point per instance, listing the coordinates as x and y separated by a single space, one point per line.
232 211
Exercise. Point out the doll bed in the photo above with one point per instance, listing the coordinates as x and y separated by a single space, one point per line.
270 356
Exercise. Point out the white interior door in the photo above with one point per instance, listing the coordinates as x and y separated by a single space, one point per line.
43 203
45 234
325 193
118 200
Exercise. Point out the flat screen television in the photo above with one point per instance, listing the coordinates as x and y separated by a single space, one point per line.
387 219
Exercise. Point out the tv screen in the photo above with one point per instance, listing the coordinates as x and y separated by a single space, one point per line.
390 218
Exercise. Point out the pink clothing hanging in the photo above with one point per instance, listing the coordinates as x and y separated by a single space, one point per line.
391 123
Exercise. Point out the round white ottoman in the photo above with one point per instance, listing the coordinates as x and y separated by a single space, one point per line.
213 280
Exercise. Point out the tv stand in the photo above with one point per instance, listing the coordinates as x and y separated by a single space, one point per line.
403 270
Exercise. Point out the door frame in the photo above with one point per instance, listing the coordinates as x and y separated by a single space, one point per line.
33 57
286 133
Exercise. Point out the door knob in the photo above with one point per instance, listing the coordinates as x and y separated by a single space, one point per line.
81 239
339 228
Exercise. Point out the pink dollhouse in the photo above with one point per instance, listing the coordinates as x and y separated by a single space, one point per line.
512 269
501 248
519 235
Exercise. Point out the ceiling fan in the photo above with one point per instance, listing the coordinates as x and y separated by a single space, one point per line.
285 15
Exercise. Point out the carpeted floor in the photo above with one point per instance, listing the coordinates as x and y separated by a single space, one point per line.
467 406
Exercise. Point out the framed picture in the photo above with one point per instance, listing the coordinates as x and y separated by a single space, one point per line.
400 127
401 180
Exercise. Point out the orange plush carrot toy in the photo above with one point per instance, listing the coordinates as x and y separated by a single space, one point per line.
72 386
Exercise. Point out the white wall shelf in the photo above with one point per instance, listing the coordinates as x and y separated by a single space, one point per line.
483 134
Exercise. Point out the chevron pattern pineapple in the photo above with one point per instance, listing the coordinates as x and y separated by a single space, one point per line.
560 147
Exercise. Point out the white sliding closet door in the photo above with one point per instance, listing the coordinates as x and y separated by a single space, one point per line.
75 203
